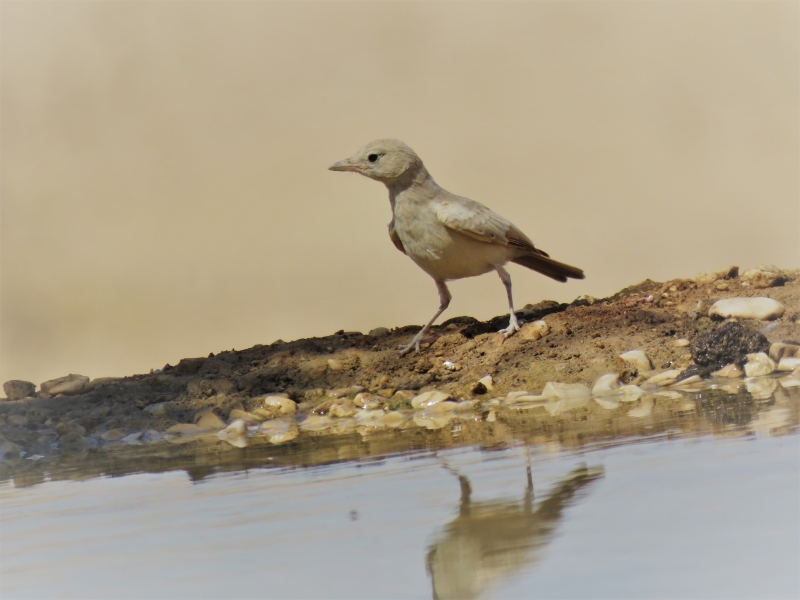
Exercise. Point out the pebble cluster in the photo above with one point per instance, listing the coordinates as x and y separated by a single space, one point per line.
279 419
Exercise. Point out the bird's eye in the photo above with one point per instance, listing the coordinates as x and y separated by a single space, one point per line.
372 158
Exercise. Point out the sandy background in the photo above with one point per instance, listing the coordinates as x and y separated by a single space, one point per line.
164 182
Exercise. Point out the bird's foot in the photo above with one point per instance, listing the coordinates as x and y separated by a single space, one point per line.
513 327
409 347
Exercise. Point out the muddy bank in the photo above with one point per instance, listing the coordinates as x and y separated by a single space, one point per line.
356 384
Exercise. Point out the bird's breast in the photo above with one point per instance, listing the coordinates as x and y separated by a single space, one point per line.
442 252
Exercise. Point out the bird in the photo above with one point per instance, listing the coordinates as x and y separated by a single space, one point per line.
447 236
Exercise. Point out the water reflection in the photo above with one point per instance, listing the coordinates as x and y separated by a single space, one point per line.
491 541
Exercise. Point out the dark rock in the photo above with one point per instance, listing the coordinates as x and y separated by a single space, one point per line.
17 389
730 343
189 366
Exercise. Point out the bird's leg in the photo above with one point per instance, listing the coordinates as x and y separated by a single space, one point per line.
444 302
513 324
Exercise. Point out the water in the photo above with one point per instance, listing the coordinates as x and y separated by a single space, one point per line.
701 507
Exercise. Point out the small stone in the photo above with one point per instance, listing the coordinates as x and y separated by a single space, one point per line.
283 405
133 437
69 385
379 332
429 399
730 273
101 382
341 410
606 384
335 364
16 389
491 417
189 366
665 378
636 359
789 363
208 419
112 435
780 350
387 392
534 331
731 371
763 278
689 381
348 391
763 309
758 364
451 366
368 401
680 343
440 407
761 388
487 382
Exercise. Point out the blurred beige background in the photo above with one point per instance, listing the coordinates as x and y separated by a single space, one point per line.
164 182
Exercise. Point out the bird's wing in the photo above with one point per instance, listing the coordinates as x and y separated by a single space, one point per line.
395 238
475 220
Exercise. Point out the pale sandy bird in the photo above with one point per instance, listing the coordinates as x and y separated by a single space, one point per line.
448 236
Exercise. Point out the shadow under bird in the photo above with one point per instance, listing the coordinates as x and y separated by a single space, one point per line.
447 236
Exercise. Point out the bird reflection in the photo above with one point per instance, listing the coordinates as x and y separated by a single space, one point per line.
490 541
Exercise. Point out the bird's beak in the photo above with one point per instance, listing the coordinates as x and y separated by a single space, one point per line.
346 165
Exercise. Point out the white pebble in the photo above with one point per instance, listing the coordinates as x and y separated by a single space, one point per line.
487 382
789 363
780 350
284 405
368 401
637 359
681 343
665 378
763 309
606 384
758 364
730 371
535 330
429 399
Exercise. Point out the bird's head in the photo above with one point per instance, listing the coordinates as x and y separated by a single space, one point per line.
383 160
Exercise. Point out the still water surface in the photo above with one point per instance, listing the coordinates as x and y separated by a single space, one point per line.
677 514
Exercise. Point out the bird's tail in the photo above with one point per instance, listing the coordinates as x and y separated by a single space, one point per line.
541 263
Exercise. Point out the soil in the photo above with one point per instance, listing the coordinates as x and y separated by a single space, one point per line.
584 341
